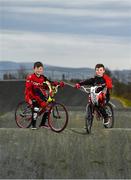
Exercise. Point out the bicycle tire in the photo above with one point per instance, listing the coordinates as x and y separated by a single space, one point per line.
89 118
23 115
57 117
111 116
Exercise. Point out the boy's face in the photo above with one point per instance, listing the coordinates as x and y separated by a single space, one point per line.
100 71
38 70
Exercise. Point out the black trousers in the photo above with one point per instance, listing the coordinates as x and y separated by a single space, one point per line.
36 105
102 108
44 118
103 112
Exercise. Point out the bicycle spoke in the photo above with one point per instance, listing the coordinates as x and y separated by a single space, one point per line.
23 115
58 117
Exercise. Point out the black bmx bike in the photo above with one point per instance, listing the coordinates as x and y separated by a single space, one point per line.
57 113
93 110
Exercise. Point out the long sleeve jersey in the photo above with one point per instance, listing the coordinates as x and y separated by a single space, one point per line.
104 80
33 85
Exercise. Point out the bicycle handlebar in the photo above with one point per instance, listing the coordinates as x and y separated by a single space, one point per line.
52 88
87 89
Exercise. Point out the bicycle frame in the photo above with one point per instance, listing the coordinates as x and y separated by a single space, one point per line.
43 110
53 90
57 113
95 109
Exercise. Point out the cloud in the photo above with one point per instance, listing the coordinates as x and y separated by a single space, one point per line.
69 12
67 33
67 3
66 50
73 17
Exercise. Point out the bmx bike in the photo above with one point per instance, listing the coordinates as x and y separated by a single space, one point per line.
93 110
57 112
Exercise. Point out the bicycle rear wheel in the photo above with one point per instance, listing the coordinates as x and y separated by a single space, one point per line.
57 117
23 115
110 112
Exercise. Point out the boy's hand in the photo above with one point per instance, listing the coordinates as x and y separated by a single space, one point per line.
30 102
104 90
55 83
62 84
51 94
43 104
77 86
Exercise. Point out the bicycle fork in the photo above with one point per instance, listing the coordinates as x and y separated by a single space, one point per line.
56 113
89 118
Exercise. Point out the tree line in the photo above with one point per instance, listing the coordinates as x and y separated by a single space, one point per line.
120 88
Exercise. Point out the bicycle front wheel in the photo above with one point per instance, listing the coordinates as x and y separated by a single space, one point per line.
57 117
23 115
89 118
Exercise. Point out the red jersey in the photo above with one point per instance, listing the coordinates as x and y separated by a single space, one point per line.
33 84
105 79
108 81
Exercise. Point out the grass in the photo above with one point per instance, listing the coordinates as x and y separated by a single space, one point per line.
1 113
124 101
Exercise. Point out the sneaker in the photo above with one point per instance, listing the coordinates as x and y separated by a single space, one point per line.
44 126
105 121
34 128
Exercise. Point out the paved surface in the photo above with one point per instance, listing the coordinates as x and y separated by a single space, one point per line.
105 153
71 154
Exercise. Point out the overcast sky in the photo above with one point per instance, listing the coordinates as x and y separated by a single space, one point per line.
77 33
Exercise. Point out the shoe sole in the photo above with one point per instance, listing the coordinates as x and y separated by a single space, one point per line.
106 123
33 128
44 127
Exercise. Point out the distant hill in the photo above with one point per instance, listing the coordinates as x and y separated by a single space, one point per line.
55 72
10 65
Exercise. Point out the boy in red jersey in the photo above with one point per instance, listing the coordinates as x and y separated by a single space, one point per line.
35 93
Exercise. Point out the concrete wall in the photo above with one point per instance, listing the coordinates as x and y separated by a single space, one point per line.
11 92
